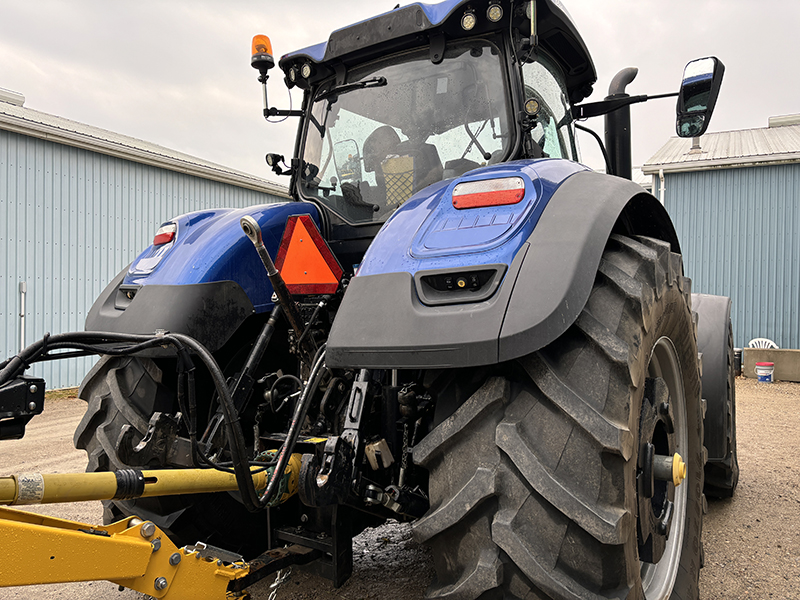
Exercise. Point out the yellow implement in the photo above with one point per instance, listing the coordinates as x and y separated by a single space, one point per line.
133 553
136 554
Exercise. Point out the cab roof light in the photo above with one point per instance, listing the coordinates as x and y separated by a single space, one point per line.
165 234
489 192
468 20
495 12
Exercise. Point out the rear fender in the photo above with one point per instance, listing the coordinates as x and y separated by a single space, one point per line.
205 284
548 265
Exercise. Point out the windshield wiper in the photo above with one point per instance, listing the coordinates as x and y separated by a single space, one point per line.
349 87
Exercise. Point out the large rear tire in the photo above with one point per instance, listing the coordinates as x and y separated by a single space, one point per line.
126 391
537 485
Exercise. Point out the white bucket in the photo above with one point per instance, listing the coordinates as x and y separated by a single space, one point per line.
764 371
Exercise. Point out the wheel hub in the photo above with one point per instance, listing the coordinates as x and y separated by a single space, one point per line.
660 470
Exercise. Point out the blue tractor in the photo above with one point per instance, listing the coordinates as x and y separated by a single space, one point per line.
453 323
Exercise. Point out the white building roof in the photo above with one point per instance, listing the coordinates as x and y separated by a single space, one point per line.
776 144
643 180
33 123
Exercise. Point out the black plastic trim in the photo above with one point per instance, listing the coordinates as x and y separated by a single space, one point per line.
565 250
382 323
125 294
209 312
398 23
489 277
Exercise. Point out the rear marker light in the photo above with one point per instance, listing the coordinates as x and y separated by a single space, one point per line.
489 192
165 234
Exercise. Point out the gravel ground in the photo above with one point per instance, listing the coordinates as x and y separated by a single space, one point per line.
752 541
752 546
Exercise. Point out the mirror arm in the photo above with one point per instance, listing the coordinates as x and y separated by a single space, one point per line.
274 112
670 95
596 109
277 112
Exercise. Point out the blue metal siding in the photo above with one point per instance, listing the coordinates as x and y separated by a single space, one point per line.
740 236
70 220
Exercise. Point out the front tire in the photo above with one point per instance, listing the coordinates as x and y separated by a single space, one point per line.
537 484
722 476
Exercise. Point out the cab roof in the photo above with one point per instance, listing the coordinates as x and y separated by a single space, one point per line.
421 24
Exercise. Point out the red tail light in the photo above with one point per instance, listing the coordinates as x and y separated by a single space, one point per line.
489 192
165 234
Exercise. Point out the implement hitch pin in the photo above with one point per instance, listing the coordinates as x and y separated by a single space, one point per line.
253 231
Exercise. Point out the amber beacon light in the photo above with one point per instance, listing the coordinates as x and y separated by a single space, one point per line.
261 54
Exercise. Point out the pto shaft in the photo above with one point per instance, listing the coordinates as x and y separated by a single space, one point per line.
38 488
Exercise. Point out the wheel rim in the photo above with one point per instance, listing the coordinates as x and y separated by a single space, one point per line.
658 579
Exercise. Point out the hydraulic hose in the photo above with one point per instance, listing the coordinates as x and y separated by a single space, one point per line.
85 339
12 367
294 429
253 231
241 466
235 437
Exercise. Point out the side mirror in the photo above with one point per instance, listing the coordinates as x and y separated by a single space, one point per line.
702 79
347 160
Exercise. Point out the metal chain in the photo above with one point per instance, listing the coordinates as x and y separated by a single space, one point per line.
404 455
280 579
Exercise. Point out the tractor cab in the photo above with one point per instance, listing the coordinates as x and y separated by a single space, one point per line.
423 94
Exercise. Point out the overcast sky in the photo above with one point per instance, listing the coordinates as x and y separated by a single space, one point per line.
177 72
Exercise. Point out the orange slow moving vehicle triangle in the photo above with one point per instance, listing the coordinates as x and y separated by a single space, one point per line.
305 261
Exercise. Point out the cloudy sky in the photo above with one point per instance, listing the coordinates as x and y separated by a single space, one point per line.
177 72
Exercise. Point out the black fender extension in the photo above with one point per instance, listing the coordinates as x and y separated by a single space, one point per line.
208 312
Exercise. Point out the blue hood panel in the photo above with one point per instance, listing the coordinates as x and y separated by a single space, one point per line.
428 232
210 246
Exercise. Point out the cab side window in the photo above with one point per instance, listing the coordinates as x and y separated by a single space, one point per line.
553 131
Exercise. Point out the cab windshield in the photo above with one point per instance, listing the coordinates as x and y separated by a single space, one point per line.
401 124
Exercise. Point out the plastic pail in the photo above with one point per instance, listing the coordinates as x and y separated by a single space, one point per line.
764 371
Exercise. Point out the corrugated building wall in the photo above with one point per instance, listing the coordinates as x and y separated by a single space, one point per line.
740 235
70 220
739 225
